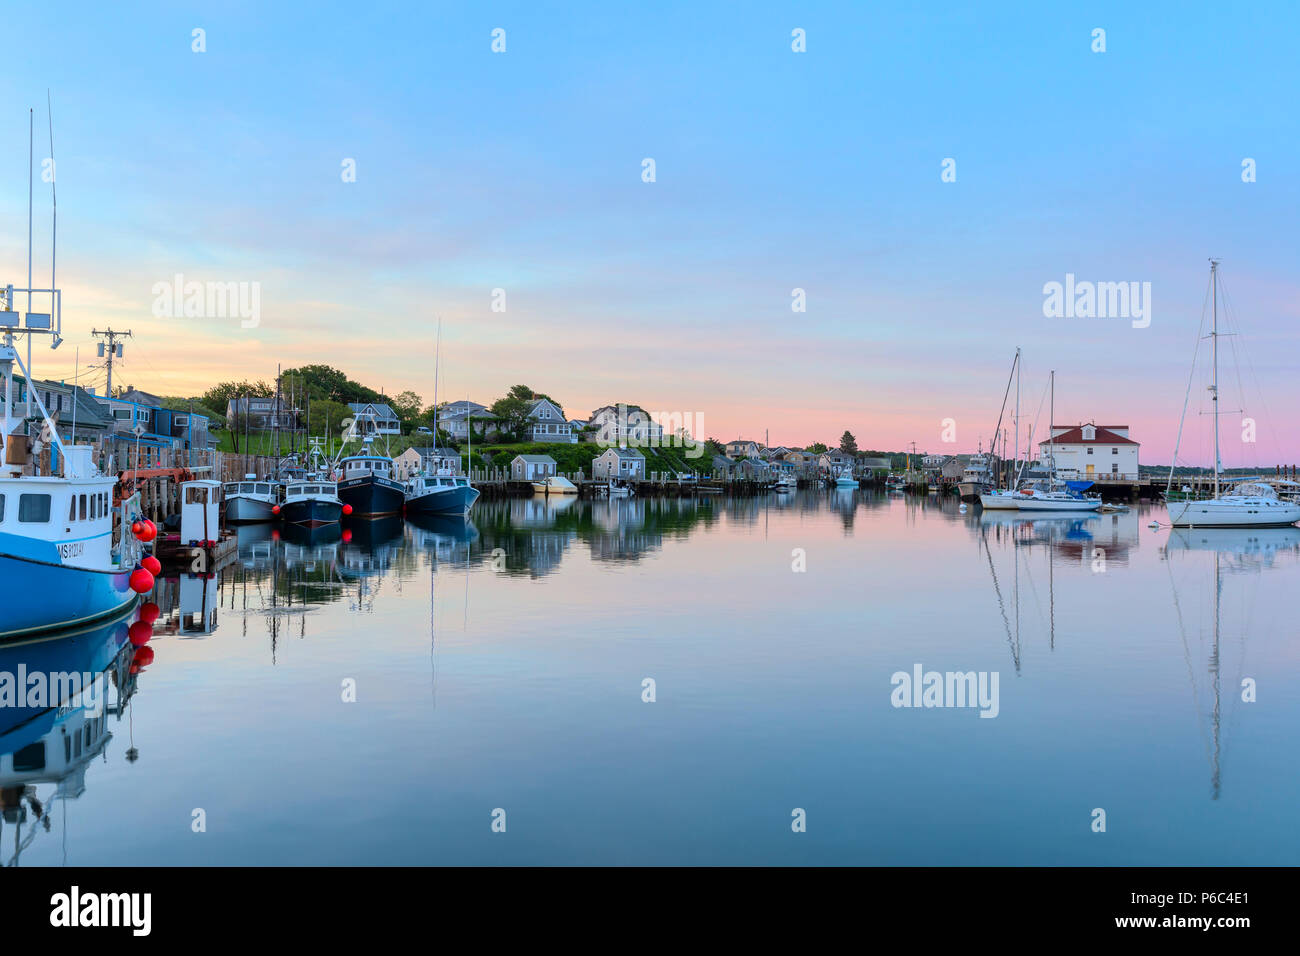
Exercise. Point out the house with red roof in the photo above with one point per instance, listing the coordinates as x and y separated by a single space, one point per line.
1091 451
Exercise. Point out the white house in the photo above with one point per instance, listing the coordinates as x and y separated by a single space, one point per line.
457 424
375 418
531 467
618 463
548 424
1091 451
429 461
625 424
743 448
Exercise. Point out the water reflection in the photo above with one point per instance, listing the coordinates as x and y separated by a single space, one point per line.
47 744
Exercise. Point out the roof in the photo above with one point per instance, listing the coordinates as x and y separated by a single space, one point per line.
379 407
1104 436
622 452
535 459
428 452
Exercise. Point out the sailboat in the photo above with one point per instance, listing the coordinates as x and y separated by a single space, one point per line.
1004 499
1250 504
1047 494
441 492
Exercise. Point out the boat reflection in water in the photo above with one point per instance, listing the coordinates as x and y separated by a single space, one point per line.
1230 551
52 740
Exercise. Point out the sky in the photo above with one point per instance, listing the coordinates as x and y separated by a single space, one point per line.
774 170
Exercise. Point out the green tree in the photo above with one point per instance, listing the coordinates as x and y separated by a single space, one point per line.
407 406
848 444
816 448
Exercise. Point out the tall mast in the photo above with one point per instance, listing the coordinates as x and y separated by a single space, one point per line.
1051 434
1017 415
1214 347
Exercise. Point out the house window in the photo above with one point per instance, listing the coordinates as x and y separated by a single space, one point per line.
122 414
1114 468
1114 451
1089 451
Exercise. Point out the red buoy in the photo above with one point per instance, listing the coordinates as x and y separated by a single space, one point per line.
150 530
275 509
347 509
137 528
347 534
140 632
143 657
141 581
149 612
152 565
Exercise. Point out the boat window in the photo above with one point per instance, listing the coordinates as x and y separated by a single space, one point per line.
72 508
246 488
31 757
82 509
94 507
196 495
33 508
262 489
2 507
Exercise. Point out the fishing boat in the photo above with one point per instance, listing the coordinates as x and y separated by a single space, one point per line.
785 484
443 494
312 501
61 563
367 485
250 500
844 478
975 477
1251 504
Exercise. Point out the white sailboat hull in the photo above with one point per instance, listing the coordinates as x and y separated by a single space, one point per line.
1032 503
996 501
1233 512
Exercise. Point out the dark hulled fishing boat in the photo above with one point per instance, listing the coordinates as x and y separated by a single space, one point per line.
366 483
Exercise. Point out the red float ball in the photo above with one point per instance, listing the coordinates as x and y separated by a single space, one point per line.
347 509
347 534
275 509
149 612
143 657
141 581
140 632
275 534
137 528
152 565
150 530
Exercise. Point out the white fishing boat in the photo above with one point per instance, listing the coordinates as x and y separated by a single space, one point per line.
60 564
250 500
785 484
844 478
1248 505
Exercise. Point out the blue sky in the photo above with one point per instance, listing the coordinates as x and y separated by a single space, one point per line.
775 170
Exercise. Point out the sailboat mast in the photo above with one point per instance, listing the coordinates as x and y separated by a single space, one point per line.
1214 347
1017 415
1051 434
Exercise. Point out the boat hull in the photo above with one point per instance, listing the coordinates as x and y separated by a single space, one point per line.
311 511
1030 503
372 497
1219 514
242 510
43 596
846 482
971 490
992 501
443 501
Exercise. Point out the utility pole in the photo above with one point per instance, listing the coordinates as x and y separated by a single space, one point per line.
114 350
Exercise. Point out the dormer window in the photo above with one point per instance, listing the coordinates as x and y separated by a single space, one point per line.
1089 433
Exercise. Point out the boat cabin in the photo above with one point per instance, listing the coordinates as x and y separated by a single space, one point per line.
200 507
359 466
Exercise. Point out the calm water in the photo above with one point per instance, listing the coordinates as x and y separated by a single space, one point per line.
500 664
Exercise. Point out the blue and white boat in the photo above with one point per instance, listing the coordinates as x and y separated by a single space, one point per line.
440 495
60 565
